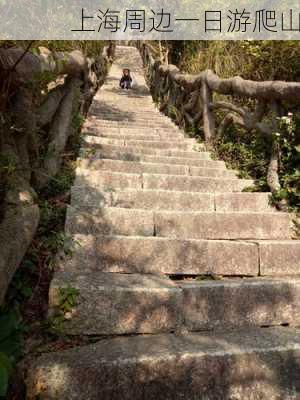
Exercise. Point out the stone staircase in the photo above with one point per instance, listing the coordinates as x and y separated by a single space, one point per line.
152 215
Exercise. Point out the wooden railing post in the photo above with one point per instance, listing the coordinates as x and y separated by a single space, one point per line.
209 124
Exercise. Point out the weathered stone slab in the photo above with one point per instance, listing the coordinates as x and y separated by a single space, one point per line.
110 304
194 183
243 202
215 225
242 365
163 200
132 136
110 221
125 155
184 161
200 155
132 166
161 144
143 199
107 180
93 142
239 303
86 196
280 257
152 144
162 256
212 172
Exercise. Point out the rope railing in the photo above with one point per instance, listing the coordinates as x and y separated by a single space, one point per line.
197 100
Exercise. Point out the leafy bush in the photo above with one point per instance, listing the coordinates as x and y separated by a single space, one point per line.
250 154
10 346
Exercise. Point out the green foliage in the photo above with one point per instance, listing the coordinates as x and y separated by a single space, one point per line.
8 164
250 154
6 369
257 60
289 141
10 346
67 298
91 48
59 184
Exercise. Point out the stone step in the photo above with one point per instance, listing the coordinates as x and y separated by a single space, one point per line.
279 257
244 364
125 155
94 124
194 183
110 181
142 148
178 224
130 116
153 255
116 304
137 167
107 109
150 123
236 303
186 144
137 124
130 136
217 225
121 133
110 221
171 200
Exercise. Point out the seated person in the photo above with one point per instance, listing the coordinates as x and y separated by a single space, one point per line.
125 82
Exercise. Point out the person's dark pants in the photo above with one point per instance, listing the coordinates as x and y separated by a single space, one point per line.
126 85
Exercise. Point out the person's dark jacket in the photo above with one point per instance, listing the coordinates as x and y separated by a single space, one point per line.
125 78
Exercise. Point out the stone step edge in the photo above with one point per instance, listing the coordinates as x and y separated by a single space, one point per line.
149 363
124 141
181 299
188 168
139 148
87 152
140 175
274 257
214 198
180 224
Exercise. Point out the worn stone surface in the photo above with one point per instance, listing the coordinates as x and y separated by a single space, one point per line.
121 180
168 200
162 256
212 172
154 144
107 180
125 155
243 202
242 365
143 199
110 221
194 184
133 167
94 142
236 303
103 133
280 257
163 200
109 304
197 162
216 225
152 168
